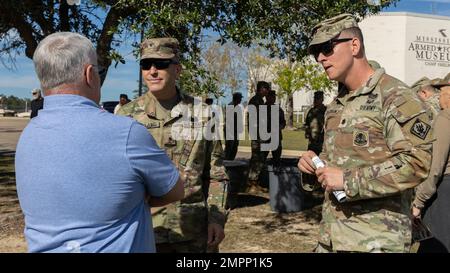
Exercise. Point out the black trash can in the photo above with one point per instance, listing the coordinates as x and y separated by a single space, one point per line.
237 171
286 194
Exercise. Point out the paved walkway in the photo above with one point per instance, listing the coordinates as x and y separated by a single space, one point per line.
285 153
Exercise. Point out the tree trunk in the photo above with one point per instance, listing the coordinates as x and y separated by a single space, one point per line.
290 112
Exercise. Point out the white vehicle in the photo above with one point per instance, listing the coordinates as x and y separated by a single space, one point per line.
7 113
24 114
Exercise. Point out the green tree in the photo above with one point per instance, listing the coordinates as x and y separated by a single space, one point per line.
13 103
283 27
297 76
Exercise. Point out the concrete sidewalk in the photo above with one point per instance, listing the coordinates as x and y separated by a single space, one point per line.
284 153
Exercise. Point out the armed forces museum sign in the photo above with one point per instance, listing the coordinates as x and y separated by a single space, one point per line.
432 50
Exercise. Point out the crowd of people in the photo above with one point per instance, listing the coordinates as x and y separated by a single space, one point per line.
90 181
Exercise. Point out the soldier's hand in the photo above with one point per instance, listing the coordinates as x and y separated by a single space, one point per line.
416 212
305 163
215 234
332 179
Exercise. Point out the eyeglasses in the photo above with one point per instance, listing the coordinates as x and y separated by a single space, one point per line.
147 64
327 47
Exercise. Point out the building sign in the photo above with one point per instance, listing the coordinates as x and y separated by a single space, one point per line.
432 50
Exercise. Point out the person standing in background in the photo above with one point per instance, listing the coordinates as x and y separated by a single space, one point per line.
37 103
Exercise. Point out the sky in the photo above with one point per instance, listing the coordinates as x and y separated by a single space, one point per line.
124 79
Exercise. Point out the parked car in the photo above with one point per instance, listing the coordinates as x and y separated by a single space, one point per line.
24 114
7 113
109 105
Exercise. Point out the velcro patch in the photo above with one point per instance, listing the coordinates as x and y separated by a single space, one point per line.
420 129
361 138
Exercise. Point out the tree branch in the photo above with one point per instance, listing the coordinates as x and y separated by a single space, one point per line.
105 39
13 18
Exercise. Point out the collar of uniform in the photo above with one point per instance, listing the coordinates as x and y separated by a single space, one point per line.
370 84
186 102
366 88
151 102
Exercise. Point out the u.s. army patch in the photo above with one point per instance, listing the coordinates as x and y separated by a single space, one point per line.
420 129
361 138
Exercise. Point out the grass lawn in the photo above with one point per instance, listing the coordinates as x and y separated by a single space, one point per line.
292 140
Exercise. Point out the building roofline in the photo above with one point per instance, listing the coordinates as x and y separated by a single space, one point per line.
412 14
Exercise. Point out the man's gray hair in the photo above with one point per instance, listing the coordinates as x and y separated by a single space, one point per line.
61 57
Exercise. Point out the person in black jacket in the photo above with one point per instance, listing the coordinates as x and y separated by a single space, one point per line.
37 103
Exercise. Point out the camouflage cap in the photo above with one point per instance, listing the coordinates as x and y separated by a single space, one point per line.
422 83
330 28
160 48
438 83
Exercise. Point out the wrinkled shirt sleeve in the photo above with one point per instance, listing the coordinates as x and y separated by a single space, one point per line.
151 163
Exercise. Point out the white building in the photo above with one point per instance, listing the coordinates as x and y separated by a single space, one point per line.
408 45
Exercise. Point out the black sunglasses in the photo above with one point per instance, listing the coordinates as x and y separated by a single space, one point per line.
146 64
327 47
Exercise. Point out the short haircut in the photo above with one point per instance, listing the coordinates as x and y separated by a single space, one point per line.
318 95
357 33
237 95
61 57
262 84
125 96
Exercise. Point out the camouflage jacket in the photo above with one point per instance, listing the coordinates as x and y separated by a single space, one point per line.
198 160
314 124
380 136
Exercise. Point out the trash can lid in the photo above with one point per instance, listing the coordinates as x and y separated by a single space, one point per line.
234 163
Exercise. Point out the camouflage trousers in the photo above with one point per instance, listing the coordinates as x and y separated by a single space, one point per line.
322 248
257 160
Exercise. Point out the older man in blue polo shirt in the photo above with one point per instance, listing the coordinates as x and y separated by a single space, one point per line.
85 177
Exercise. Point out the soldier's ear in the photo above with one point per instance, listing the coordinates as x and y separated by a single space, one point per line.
356 46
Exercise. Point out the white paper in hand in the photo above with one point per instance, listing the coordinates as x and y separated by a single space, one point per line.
340 195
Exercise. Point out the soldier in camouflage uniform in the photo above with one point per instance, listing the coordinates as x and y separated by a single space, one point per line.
314 133
195 223
314 123
377 147
428 94
258 158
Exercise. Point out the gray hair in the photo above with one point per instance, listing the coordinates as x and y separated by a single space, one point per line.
60 59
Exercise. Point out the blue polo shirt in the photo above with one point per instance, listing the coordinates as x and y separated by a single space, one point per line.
82 178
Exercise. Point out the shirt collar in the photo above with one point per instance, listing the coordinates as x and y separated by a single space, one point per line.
64 100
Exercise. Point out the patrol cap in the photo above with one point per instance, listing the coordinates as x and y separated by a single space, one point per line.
330 28
318 95
160 48
438 83
422 82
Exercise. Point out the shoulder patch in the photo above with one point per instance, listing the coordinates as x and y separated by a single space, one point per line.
420 129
